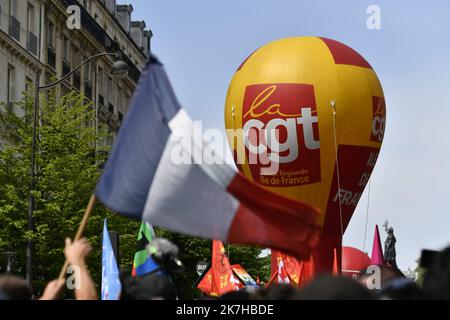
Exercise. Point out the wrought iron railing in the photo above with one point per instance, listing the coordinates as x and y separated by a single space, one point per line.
32 44
14 28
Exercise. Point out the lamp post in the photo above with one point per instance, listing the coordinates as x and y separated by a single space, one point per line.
119 69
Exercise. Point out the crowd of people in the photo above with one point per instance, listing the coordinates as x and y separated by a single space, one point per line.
393 286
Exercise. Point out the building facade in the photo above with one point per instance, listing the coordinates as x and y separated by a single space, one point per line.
40 35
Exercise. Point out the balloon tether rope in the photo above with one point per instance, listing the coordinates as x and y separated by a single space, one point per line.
367 216
333 107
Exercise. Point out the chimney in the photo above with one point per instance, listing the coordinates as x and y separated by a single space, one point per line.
137 33
123 15
110 5
147 38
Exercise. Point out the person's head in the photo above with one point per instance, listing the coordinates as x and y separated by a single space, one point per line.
327 287
3 296
436 282
275 292
400 289
236 295
14 288
147 287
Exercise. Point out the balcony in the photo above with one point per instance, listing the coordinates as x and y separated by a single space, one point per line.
32 43
51 57
103 112
77 80
14 28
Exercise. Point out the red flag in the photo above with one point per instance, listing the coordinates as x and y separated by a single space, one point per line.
285 269
278 271
205 284
220 278
308 271
335 264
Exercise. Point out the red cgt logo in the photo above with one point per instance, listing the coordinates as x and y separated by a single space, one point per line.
281 126
378 120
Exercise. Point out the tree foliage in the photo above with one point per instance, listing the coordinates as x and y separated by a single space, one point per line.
67 169
68 165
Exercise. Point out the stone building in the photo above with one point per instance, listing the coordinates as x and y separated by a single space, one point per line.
35 35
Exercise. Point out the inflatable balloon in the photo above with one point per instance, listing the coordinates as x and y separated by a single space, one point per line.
353 261
305 117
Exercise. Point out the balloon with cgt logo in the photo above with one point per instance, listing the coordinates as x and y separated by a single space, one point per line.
308 118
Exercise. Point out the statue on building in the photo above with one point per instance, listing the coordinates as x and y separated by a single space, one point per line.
389 245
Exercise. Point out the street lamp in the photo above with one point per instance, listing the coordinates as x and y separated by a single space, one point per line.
119 69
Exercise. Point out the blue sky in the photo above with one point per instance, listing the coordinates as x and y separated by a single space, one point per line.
202 42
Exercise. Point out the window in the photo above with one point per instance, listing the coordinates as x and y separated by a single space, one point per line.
11 83
87 69
66 49
110 91
101 83
14 24
66 67
31 24
120 97
28 84
51 34
76 61
13 8
32 44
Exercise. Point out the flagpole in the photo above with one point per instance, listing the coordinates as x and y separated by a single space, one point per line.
81 228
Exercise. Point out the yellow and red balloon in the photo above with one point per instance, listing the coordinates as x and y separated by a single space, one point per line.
297 107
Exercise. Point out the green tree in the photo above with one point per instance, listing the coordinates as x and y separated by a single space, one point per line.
67 169
68 166
420 272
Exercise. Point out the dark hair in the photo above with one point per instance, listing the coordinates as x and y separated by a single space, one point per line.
14 288
327 287
275 292
436 283
236 295
401 289
147 287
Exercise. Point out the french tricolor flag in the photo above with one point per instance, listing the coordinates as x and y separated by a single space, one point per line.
204 198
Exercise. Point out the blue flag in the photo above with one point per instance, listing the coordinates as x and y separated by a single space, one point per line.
111 286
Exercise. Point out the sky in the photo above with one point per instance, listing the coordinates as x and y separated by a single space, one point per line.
202 42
